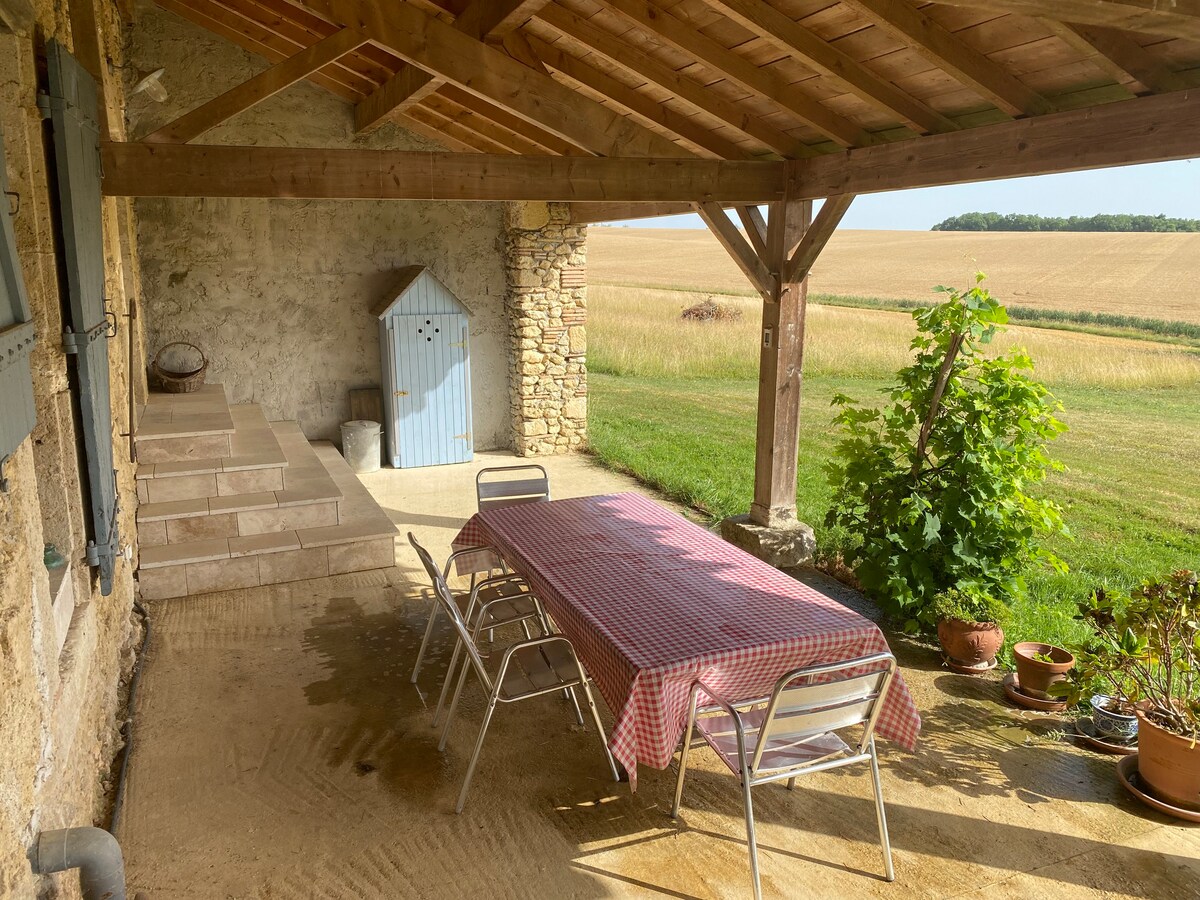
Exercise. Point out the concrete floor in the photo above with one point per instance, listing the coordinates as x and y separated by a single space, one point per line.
282 752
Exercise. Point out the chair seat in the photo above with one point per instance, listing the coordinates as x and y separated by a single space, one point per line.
533 670
515 604
782 752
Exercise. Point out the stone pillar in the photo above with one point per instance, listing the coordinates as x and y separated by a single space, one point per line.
546 303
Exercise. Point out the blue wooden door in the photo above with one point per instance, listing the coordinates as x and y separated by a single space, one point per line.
432 390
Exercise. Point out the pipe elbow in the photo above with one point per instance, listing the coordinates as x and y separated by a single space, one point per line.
93 851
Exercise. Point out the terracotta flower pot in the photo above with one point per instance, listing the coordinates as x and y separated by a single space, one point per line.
1169 764
1035 676
972 645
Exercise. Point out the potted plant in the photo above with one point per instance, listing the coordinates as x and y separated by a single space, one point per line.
1147 650
969 629
1039 666
938 483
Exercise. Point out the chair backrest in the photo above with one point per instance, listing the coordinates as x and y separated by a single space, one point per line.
816 699
442 596
510 485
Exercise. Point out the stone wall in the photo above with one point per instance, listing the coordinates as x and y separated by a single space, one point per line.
545 258
63 649
278 292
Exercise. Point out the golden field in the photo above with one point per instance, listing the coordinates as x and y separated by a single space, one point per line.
638 331
1149 275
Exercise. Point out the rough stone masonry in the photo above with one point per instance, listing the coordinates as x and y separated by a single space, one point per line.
545 258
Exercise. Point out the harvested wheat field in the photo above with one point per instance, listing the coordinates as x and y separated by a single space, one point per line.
1134 274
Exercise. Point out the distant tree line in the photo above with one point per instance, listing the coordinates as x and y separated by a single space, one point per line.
991 221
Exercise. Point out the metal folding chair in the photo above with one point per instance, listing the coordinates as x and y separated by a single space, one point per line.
510 485
505 598
792 733
529 668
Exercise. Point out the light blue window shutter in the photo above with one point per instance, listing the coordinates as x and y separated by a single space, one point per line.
17 413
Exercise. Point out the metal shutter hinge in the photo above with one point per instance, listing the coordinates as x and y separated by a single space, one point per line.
73 341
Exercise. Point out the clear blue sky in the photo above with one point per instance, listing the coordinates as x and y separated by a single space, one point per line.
1172 188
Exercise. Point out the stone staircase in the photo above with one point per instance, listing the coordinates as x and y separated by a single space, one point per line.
228 500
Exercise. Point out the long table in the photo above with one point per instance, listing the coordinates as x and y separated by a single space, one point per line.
653 602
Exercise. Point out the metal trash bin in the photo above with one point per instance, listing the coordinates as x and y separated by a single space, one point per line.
360 445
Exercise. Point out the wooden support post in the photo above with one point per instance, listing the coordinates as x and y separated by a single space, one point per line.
779 376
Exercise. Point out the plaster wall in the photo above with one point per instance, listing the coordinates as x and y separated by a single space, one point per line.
62 657
278 292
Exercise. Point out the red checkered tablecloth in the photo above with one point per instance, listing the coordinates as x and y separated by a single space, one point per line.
652 602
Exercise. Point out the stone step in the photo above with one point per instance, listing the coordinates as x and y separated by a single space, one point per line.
362 538
181 427
256 465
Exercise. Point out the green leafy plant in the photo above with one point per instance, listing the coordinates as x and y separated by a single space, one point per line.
967 607
1145 651
937 483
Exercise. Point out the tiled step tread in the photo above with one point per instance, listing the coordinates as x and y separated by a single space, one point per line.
358 507
252 444
205 411
305 482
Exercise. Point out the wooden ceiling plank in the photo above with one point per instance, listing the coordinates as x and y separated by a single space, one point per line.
924 35
499 140
769 23
478 20
1176 18
192 170
544 141
763 82
621 53
430 44
738 248
644 108
263 85
1131 57
223 23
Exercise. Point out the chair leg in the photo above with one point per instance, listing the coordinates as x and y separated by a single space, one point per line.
487 718
791 785
450 670
683 761
424 641
575 702
462 679
881 816
591 702
750 838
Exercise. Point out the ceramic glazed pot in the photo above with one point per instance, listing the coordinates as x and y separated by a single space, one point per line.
1111 723
1169 764
972 645
1036 676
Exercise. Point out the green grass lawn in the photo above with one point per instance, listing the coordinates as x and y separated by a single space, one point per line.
1130 492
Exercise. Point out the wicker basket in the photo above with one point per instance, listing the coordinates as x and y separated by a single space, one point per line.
180 382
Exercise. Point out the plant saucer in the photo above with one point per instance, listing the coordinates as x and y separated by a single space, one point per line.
1086 729
1127 771
964 669
1012 687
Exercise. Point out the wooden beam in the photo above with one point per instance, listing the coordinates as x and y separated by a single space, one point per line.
769 23
1169 18
623 54
429 124
644 108
590 213
478 20
780 374
1140 130
755 227
543 141
516 44
263 85
1130 57
496 139
193 170
740 71
801 260
738 248
911 26
428 43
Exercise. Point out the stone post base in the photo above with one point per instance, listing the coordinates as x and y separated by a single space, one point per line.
783 545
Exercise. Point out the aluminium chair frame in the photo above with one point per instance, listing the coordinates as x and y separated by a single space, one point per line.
493 685
750 774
